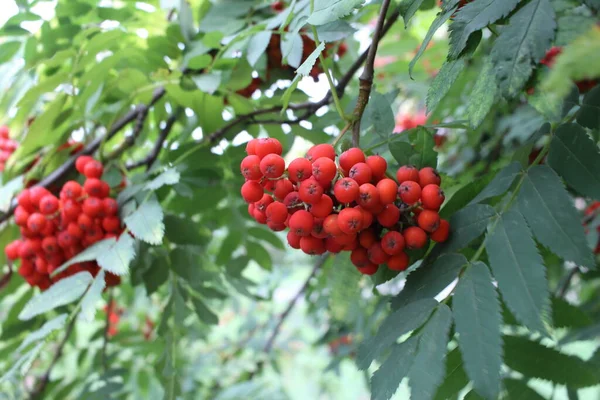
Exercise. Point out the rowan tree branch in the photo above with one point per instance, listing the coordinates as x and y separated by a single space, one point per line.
366 78
109 309
562 288
45 379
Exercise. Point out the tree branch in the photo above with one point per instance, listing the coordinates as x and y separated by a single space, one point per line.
561 290
109 308
290 307
158 145
366 78
41 386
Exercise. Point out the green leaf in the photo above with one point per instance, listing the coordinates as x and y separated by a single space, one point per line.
43 332
208 82
180 230
473 17
8 50
334 31
467 225
401 151
156 274
518 390
423 145
230 243
257 46
387 378
566 315
343 283
575 157
326 11
400 322
410 8
522 43
535 360
118 255
91 297
169 177
519 270
186 20
291 49
8 190
477 317
472 395
379 114
266 236
285 99
258 253
550 213
463 196
427 371
443 81
63 292
146 222
308 64
456 378
428 280
589 114
502 181
437 23
204 313
483 95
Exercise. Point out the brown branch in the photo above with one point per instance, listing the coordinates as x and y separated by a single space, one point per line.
41 386
366 78
290 307
158 145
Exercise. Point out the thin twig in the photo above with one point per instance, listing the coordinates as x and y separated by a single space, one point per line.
106 329
158 145
41 386
561 290
290 307
366 78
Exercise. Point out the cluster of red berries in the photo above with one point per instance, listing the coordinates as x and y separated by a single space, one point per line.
549 59
114 316
7 146
55 229
349 206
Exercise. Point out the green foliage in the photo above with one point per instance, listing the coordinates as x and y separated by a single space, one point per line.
477 317
146 222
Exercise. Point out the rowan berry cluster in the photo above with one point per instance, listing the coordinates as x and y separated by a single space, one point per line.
55 229
348 206
7 146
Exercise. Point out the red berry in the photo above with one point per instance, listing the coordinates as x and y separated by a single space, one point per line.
266 146
346 190
440 235
65 240
92 206
27 268
276 212
310 191
92 236
361 173
36 222
268 185
293 240
110 206
360 257
330 225
367 215
277 6
70 210
299 170
71 190
260 216
48 204
389 216
85 222
324 170
378 166
351 157
368 196
407 173
332 246
376 254
251 147
263 203
50 244
41 266
35 195
318 231
321 150
429 176
12 250
292 202
414 237
323 207
81 162
429 220
93 187
369 269
312 245
392 243
410 192
345 239
93 169
24 200
250 168
74 230
21 216
111 224
366 238
272 166
398 262
283 187
432 197
252 191
276 227
388 191
301 223
350 220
